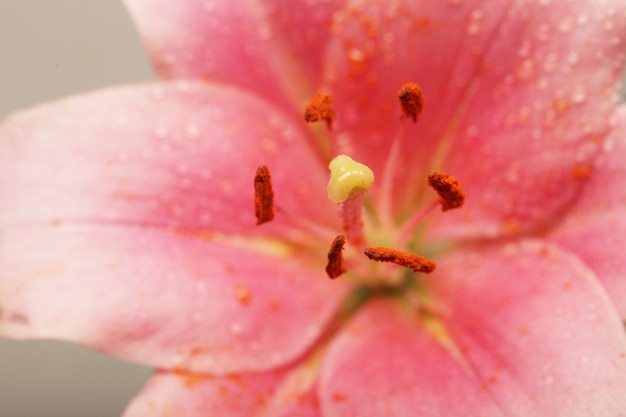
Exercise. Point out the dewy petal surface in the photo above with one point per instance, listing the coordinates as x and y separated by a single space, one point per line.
269 47
270 394
522 87
163 299
595 228
177 154
530 332
127 224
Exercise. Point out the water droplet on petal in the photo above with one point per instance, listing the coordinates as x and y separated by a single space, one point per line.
185 184
608 145
356 55
524 49
177 359
566 25
580 94
543 32
475 23
196 317
156 92
182 169
201 286
573 58
526 69
472 131
161 132
236 328
192 130
550 62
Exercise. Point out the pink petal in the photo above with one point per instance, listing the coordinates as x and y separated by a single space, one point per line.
270 394
595 228
516 96
270 47
165 298
180 155
530 333
127 223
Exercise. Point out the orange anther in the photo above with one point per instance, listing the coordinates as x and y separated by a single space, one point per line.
320 108
415 262
334 268
411 100
263 196
448 188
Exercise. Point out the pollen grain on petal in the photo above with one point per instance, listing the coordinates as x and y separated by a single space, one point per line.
263 196
448 188
415 262
242 295
411 100
335 267
320 108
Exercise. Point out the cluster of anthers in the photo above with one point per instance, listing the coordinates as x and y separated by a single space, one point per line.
350 181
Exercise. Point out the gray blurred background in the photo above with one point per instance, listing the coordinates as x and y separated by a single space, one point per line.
49 49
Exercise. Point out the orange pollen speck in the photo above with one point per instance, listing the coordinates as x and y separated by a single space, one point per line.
320 108
448 188
411 100
415 262
334 268
581 171
242 294
263 196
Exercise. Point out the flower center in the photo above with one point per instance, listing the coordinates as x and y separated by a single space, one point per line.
348 186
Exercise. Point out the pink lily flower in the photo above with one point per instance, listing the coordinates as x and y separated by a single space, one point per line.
127 216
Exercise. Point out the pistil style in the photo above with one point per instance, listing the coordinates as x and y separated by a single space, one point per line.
348 183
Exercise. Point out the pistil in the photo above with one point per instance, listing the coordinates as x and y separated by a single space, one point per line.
349 181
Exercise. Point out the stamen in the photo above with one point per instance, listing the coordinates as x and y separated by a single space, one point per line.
320 108
263 196
415 262
335 267
448 188
349 181
411 100
412 103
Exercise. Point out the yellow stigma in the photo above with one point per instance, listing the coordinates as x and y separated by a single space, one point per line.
348 179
